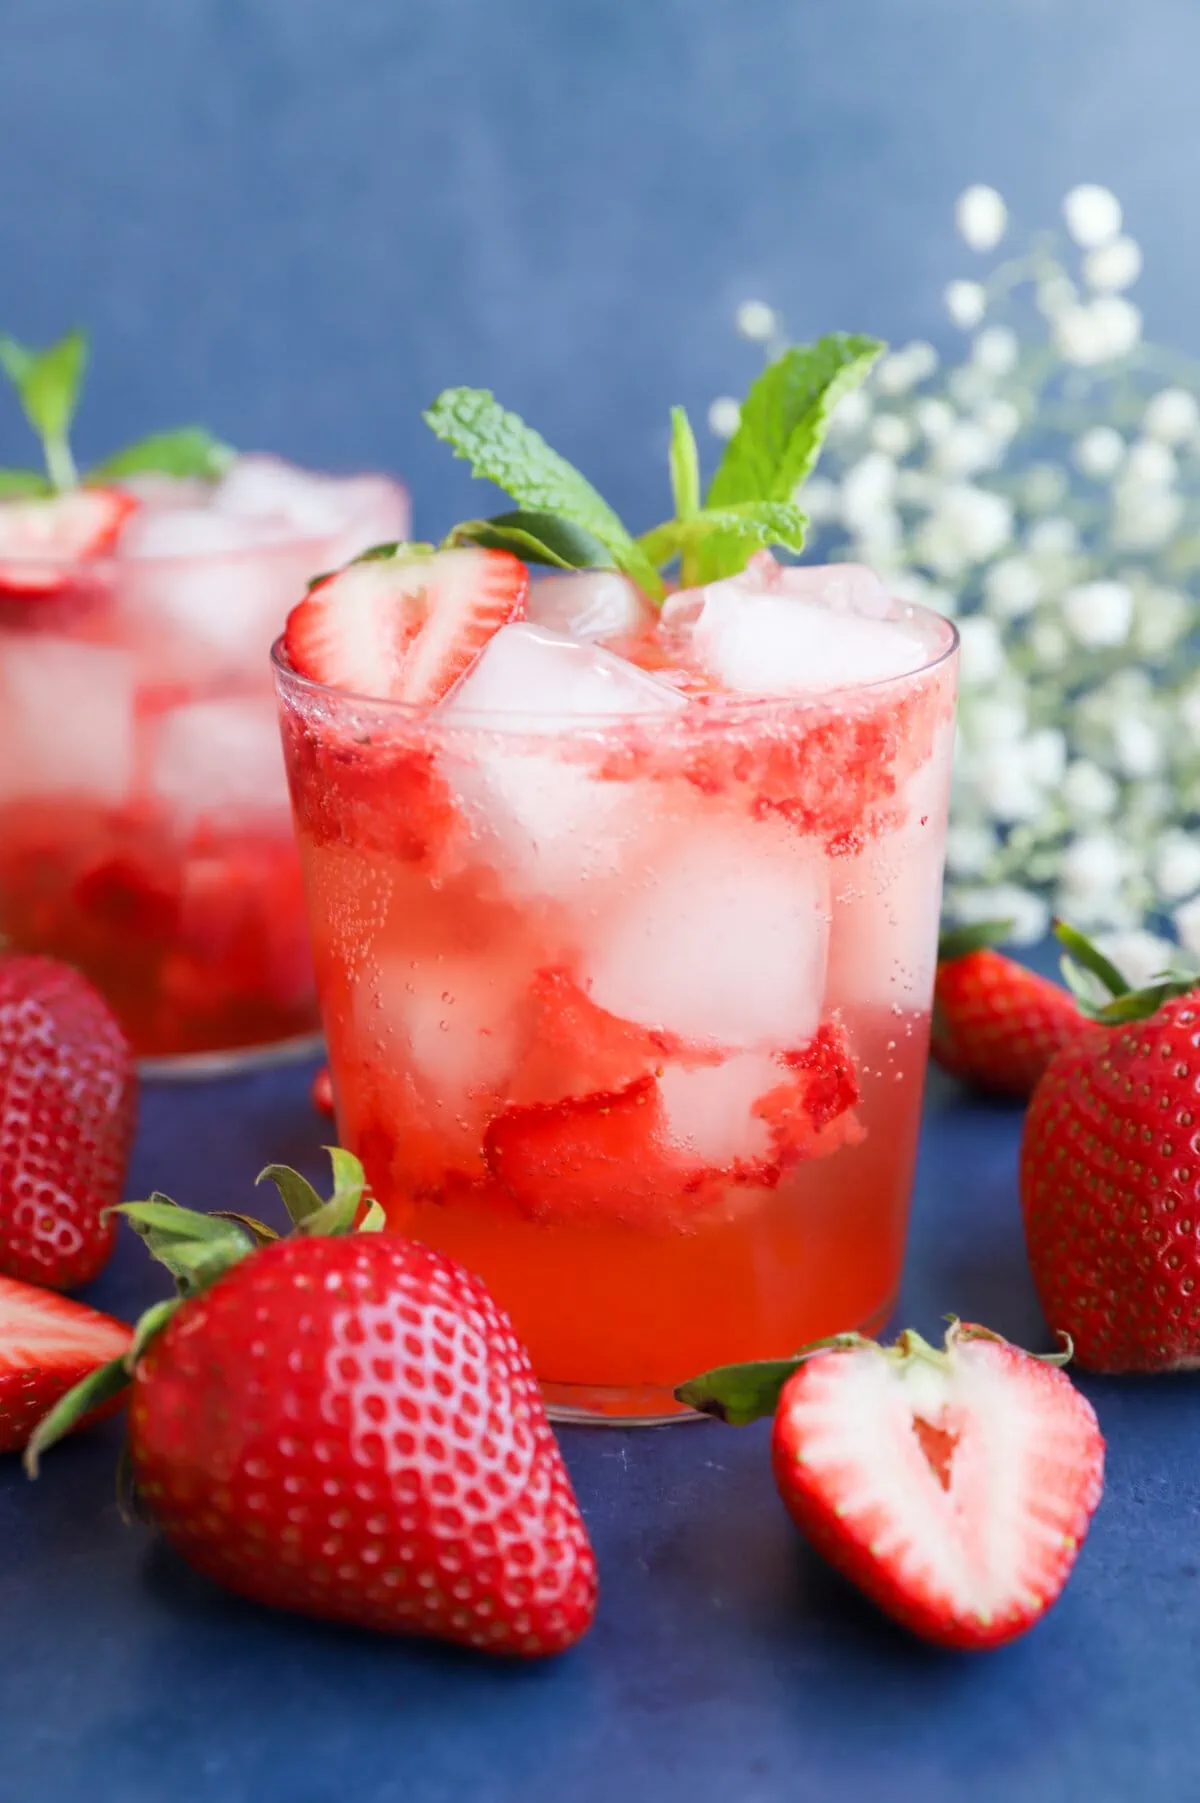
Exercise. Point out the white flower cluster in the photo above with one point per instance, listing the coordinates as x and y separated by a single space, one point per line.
1044 488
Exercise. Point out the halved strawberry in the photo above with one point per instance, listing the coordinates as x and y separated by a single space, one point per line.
47 1344
955 1486
40 538
405 627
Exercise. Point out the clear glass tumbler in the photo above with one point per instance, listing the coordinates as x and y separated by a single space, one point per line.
631 1015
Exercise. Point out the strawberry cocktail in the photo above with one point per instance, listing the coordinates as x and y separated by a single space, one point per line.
624 911
144 828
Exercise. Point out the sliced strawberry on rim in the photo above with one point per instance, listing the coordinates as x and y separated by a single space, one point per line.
406 626
953 1485
47 1344
42 536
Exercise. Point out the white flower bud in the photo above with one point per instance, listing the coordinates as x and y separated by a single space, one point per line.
1093 215
922 359
993 720
970 849
1138 955
1098 613
1176 866
851 413
1044 755
1111 267
867 487
1187 707
1118 322
1006 788
1044 488
1028 912
1137 746
964 450
1055 537
981 653
1150 462
1144 517
1098 452
1056 295
1012 587
1171 415
935 418
1049 644
1087 791
966 303
756 321
1187 924
819 499
1094 862
1001 420
724 416
1161 618
996 350
891 434
981 217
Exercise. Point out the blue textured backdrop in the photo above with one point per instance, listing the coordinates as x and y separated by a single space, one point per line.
297 219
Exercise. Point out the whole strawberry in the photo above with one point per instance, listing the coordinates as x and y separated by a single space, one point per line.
344 1424
953 1486
67 1102
996 1024
1110 1186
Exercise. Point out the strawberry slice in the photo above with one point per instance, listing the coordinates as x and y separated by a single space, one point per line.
41 538
407 626
954 1486
47 1343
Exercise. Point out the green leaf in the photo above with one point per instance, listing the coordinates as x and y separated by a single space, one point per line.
47 384
374 1221
259 1232
149 1325
544 538
187 451
1082 952
339 1214
196 1248
297 1193
973 936
718 541
685 465
23 482
91 1392
784 418
502 449
739 1393
1140 1004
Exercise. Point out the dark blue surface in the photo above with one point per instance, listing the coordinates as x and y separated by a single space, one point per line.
726 1666
298 219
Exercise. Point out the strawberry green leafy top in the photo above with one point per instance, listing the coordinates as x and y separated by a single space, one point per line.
560 519
48 385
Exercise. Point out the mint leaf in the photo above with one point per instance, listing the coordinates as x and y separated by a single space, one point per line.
23 482
537 538
717 541
785 417
47 384
188 451
502 449
685 465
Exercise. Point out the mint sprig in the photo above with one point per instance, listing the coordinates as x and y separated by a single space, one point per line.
501 448
48 385
544 538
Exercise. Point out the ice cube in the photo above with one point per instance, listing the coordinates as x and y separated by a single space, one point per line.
594 604
352 512
545 819
157 491
781 643
193 532
456 1020
531 679
721 938
707 1111
844 587
887 901
66 719
219 761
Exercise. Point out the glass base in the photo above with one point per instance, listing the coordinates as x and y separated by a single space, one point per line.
594 1405
190 1067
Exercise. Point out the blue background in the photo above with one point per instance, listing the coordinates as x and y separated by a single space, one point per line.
296 220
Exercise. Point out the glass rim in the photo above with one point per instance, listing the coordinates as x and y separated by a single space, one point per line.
726 707
288 544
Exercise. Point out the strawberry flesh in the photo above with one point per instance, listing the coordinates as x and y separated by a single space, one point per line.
41 538
406 627
47 1344
955 1489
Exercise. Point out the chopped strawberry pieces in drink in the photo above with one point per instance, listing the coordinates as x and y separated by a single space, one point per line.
41 537
405 627
578 1049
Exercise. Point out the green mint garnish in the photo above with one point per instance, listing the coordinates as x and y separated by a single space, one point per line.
188 451
561 520
48 384
501 448
685 466
544 538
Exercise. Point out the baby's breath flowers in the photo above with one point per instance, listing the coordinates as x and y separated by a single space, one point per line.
1042 485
